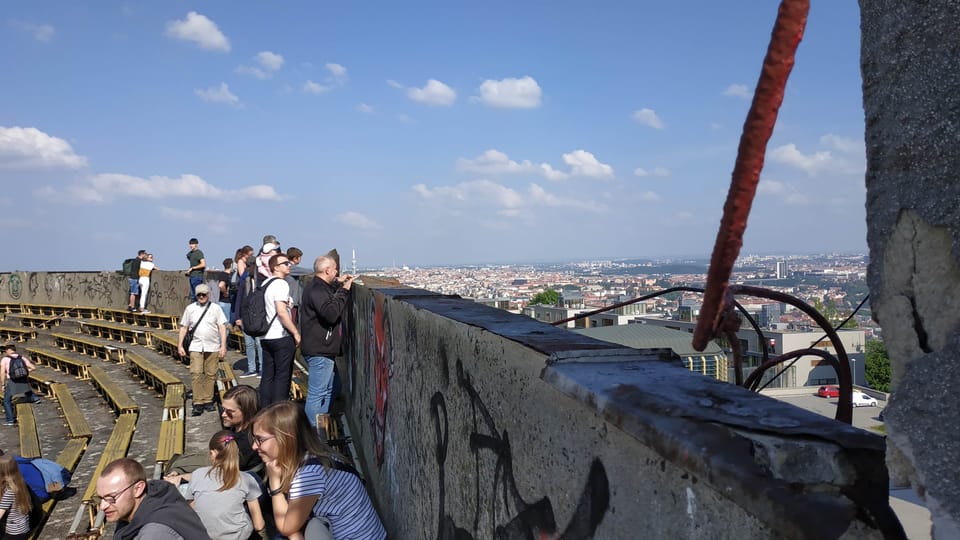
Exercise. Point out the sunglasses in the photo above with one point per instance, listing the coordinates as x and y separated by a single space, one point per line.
203 294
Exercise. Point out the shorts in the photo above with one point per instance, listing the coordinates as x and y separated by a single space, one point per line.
134 285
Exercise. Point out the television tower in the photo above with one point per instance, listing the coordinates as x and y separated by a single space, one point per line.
354 261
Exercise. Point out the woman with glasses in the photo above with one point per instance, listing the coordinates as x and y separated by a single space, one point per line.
218 493
239 405
15 501
307 479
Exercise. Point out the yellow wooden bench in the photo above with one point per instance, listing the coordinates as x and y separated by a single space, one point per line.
39 321
167 344
11 307
151 374
60 362
77 424
116 332
29 438
235 340
225 378
16 334
40 381
89 347
47 310
160 321
115 396
172 440
174 402
116 448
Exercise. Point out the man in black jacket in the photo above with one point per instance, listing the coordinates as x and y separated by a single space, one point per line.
144 508
322 309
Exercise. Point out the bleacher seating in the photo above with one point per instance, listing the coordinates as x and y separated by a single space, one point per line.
38 321
116 332
29 437
77 425
40 382
11 307
60 362
159 321
172 440
115 396
89 347
166 344
151 374
116 448
15 334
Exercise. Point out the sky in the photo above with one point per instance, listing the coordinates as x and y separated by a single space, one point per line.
416 133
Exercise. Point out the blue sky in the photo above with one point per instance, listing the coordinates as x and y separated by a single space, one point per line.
416 133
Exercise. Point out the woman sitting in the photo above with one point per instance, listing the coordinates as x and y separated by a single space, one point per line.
15 502
218 493
307 479
239 405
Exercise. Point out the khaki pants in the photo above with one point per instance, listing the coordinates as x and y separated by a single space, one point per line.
203 375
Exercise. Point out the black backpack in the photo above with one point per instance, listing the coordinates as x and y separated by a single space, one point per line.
131 268
18 369
253 312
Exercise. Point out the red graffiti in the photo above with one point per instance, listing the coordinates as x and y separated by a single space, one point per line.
382 354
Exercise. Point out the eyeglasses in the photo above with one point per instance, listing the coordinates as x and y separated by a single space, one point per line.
229 412
257 440
201 294
110 499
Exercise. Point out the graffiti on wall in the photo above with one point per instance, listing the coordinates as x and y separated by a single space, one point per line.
511 516
16 286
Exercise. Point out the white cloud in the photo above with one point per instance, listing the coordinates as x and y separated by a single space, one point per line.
489 196
30 148
364 108
433 93
268 63
648 117
783 191
540 196
844 144
583 163
495 162
339 72
219 94
523 93
662 172
648 196
845 156
105 187
394 83
812 164
214 221
200 30
311 87
737 90
40 32
358 221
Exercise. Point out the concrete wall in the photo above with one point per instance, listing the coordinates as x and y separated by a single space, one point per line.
477 423
169 293
911 95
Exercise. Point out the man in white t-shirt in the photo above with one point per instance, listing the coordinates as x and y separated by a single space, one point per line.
208 347
282 339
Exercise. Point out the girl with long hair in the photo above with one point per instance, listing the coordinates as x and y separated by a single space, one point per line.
308 479
15 502
218 493
238 407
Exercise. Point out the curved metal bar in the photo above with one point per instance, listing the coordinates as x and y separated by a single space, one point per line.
753 380
845 405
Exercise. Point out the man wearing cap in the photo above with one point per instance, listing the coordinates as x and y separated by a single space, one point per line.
197 266
207 348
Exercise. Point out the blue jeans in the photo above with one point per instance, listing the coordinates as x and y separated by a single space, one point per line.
319 386
134 286
8 402
254 353
194 281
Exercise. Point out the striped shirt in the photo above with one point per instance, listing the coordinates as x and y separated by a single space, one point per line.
343 502
17 521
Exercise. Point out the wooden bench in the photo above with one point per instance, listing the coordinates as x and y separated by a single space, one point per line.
37 321
115 396
172 440
29 438
235 340
116 332
167 344
40 381
225 378
160 321
151 374
116 448
11 307
60 362
174 402
15 334
77 424
89 347
48 310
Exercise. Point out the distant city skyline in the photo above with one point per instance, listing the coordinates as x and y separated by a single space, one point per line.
418 134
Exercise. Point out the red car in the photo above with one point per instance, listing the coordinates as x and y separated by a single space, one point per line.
828 391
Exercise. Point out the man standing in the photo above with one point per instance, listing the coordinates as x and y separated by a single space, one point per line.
207 348
133 278
197 266
13 388
324 303
295 255
144 508
282 338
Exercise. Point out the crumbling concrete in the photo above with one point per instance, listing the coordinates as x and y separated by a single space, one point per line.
911 86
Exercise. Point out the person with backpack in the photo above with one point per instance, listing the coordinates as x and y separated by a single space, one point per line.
14 377
246 284
16 503
281 338
131 269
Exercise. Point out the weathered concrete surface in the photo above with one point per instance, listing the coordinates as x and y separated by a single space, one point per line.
911 83
476 423
169 292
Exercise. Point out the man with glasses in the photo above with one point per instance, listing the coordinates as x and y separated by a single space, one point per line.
282 338
324 303
144 508
206 349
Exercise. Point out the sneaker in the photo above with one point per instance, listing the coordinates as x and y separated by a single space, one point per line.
210 407
132 309
10 423
197 410
36 399
144 311
249 374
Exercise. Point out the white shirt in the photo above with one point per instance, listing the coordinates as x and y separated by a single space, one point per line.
206 338
278 290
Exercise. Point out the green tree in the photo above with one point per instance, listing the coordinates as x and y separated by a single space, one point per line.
548 297
877 366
